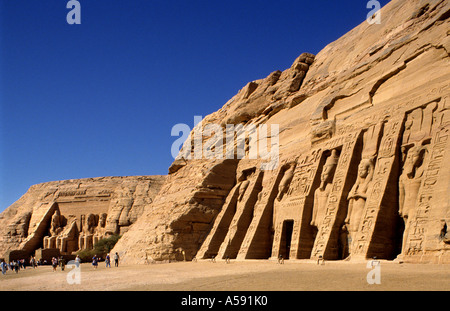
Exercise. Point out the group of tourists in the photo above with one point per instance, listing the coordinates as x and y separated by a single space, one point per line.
60 261
96 259
17 265
14 265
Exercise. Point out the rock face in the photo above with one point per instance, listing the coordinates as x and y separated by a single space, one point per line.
361 168
74 214
363 146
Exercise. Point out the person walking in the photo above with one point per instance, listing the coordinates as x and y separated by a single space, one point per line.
116 260
15 265
95 261
280 259
33 262
3 266
62 263
54 263
108 261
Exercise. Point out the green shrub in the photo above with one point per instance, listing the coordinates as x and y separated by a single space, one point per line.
100 249
86 255
104 246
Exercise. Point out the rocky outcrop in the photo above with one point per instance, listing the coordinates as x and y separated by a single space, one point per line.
73 214
174 226
363 146
361 168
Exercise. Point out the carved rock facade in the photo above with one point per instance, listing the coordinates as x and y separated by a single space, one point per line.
73 215
363 170
364 153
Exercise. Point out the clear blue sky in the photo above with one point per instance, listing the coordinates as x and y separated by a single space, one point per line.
100 98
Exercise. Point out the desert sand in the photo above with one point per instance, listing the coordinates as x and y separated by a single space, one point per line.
234 276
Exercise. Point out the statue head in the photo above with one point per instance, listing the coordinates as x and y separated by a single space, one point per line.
414 158
285 182
364 168
329 167
102 220
90 222
56 221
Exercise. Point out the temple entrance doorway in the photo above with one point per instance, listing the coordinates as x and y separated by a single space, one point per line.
286 238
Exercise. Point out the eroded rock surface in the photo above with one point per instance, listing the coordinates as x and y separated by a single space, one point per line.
363 144
73 215
363 167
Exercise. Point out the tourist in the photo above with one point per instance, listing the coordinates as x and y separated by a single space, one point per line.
62 263
280 259
3 266
33 262
116 260
77 261
54 263
320 260
95 261
108 261
16 266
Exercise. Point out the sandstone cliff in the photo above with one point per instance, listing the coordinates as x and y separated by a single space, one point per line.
362 169
368 115
25 224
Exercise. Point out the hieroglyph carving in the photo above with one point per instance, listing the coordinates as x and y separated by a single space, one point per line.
385 161
424 163
358 194
327 202
415 144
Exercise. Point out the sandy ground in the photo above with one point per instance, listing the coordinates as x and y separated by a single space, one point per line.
239 276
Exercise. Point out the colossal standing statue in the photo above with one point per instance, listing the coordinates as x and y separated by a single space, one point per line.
321 194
